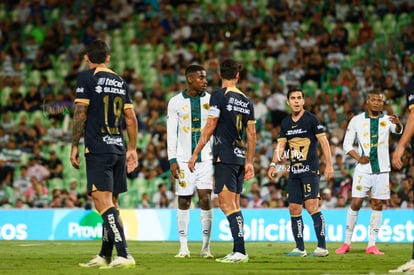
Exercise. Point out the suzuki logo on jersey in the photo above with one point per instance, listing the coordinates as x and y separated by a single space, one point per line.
110 90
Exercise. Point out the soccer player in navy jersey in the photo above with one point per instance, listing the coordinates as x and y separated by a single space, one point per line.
231 116
102 99
299 135
397 159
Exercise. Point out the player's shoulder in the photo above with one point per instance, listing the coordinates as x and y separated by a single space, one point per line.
357 119
206 95
218 92
308 116
86 74
177 96
286 121
360 116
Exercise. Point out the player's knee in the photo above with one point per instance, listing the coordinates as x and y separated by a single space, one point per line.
205 201
184 203
295 209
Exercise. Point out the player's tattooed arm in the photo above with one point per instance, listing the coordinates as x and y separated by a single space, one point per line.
79 122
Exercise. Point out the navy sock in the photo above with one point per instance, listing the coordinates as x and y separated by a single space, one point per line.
115 231
236 223
319 225
297 230
107 244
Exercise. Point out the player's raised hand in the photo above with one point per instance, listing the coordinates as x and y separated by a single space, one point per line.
394 119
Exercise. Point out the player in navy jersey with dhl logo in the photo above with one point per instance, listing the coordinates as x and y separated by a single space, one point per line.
102 100
231 116
299 135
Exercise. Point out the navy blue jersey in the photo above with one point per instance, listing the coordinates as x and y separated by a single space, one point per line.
106 95
301 137
234 111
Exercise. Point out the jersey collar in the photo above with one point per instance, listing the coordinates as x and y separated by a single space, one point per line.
185 95
367 115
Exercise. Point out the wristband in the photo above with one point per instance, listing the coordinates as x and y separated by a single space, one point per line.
272 164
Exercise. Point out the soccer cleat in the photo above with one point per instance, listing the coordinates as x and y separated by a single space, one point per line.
120 262
225 257
183 254
297 253
206 254
344 248
98 261
319 252
373 250
234 258
407 267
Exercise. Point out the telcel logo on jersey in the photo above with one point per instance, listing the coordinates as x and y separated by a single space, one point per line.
237 105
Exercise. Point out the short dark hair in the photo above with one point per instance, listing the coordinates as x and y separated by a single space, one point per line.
376 91
229 69
294 89
193 68
97 51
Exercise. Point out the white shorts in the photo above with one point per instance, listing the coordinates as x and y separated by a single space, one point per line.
201 178
378 184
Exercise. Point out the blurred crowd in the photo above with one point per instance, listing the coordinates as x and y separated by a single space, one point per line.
333 49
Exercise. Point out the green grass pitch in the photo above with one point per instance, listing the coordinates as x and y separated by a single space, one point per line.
62 257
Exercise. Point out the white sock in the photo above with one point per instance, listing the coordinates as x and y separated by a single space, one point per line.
183 219
374 226
351 219
206 220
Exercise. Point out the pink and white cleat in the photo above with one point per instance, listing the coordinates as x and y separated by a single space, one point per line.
344 248
373 250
